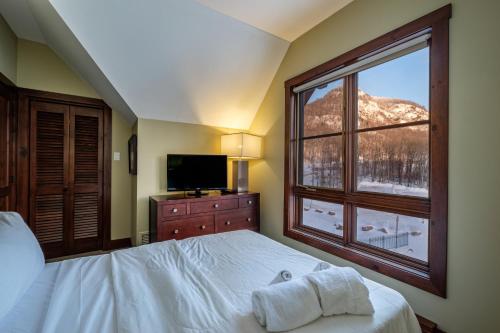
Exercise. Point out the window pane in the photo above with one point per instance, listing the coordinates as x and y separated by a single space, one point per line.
394 161
397 233
322 162
323 109
395 92
324 216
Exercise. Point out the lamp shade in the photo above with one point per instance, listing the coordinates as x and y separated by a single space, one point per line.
241 146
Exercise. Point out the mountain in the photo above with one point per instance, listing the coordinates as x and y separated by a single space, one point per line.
325 114
390 156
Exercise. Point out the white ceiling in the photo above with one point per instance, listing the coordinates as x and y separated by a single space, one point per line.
287 19
177 60
196 61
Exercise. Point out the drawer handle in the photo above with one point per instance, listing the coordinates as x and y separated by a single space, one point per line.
203 227
228 222
175 210
249 219
216 205
176 231
249 202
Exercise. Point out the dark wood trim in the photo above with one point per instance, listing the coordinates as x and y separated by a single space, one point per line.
106 195
54 97
122 243
392 126
428 326
8 184
6 81
429 276
422 23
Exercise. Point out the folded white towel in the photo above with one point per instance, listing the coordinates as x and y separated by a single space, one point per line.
282 277
285 306
322 266
341 290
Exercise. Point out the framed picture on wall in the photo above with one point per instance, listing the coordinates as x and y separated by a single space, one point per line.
132 155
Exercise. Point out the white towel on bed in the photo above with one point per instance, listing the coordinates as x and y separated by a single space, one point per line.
282 276
285 306
322 266
341 290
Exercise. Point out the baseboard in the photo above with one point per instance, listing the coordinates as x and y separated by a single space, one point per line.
428 326
120 243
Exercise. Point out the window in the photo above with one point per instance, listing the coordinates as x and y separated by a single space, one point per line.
366 156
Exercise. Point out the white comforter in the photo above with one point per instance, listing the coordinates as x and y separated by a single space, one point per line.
201 284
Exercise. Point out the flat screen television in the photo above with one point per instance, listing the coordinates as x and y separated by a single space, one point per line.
196 172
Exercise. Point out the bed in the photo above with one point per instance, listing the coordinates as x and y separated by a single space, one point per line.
201 284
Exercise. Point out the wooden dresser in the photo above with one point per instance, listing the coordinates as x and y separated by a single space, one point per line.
179 216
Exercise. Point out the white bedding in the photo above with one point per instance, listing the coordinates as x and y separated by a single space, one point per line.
154 287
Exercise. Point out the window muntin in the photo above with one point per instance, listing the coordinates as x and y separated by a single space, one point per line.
390 151
429 35
321 136
323 216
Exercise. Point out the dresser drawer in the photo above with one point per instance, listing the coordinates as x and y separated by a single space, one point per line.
236 220
172 210
184 228
213 205
248 202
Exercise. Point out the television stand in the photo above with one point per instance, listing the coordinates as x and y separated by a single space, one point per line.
178 217
197 193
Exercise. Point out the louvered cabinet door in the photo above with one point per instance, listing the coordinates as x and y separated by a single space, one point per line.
49 175
86 164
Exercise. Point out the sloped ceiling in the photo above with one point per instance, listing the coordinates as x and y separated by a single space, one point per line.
18 15
287 19
177 60
193 61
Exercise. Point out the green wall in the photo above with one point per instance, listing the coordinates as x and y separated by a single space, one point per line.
474 159
38 67
8 51
156 139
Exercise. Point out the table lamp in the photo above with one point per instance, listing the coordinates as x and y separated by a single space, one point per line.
241 147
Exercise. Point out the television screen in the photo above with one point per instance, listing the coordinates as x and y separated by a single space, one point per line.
192 172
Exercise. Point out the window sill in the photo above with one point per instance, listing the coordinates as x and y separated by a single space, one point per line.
417 278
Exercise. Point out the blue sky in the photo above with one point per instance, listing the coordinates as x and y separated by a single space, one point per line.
406 78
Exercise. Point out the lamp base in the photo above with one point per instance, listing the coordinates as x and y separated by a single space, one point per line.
240 176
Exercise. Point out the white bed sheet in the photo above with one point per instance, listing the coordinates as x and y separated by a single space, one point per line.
242 261
69 296
78 295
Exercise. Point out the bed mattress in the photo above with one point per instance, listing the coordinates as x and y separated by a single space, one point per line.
201 284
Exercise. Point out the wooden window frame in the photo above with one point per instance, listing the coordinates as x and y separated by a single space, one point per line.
430 275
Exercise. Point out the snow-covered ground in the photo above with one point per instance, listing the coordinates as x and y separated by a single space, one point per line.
368 186
324 216
329 217
389 188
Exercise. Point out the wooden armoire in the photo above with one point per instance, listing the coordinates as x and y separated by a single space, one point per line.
62 170
8 103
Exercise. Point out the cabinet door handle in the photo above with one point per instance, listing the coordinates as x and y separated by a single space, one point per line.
249 219
175 210
216 205
228 222
203 227
176 231
249 202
